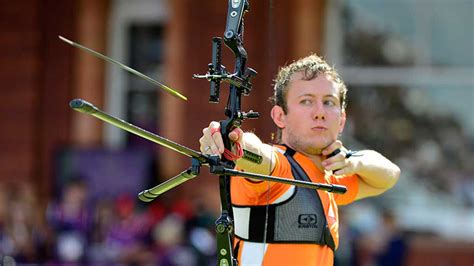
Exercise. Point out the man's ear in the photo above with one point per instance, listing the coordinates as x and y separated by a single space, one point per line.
278 116
343 122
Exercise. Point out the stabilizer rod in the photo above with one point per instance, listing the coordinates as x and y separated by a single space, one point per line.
88 108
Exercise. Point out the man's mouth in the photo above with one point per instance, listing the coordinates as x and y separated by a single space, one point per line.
319 128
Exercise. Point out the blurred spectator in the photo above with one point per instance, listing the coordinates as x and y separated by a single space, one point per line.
6 243
201 234
386 246
170 247
393 251
128 238
345 255
103 219
21 237
70 220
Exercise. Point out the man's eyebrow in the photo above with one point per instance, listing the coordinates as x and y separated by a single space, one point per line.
306 95
334 95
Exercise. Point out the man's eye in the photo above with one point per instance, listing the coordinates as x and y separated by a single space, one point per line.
305 101
329 103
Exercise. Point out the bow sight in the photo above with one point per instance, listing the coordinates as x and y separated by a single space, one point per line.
233 37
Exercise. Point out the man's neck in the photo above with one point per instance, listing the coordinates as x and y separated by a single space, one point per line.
315 158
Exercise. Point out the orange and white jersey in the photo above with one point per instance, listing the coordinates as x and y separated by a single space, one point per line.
244 192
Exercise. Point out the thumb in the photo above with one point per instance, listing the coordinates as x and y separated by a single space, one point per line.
236 135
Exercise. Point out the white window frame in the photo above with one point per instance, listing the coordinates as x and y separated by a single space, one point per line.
123 14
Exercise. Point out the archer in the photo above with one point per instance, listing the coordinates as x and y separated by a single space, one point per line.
280 224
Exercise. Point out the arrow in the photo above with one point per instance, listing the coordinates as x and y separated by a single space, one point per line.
129 69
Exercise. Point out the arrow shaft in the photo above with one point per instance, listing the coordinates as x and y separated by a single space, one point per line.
127 68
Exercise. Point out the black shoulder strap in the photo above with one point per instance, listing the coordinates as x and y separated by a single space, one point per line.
289 153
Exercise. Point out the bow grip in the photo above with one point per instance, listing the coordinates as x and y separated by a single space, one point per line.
226 126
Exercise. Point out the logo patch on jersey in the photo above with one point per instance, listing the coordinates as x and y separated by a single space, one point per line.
307 221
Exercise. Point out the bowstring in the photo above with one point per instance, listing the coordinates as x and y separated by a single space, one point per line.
268 198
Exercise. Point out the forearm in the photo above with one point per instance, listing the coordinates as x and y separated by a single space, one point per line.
252 143
375 170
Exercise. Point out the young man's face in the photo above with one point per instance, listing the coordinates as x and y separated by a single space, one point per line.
314 117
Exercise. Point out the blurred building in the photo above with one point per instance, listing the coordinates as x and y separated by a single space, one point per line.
168 40
409 66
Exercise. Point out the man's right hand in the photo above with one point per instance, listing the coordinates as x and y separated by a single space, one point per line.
211 140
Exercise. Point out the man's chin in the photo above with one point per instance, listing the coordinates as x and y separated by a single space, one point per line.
310 146
314 150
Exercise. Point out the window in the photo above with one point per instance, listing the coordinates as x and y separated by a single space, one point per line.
136 39
146 54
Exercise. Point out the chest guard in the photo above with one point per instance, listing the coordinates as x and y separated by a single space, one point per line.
299 219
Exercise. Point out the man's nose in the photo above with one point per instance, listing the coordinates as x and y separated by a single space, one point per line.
319 112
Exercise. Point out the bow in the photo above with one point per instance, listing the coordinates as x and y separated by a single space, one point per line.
239 85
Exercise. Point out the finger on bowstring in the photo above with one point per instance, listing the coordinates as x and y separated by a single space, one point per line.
342 171
332 148
348 169
333 166
340 156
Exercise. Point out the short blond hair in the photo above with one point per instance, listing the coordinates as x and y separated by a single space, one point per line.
311 66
